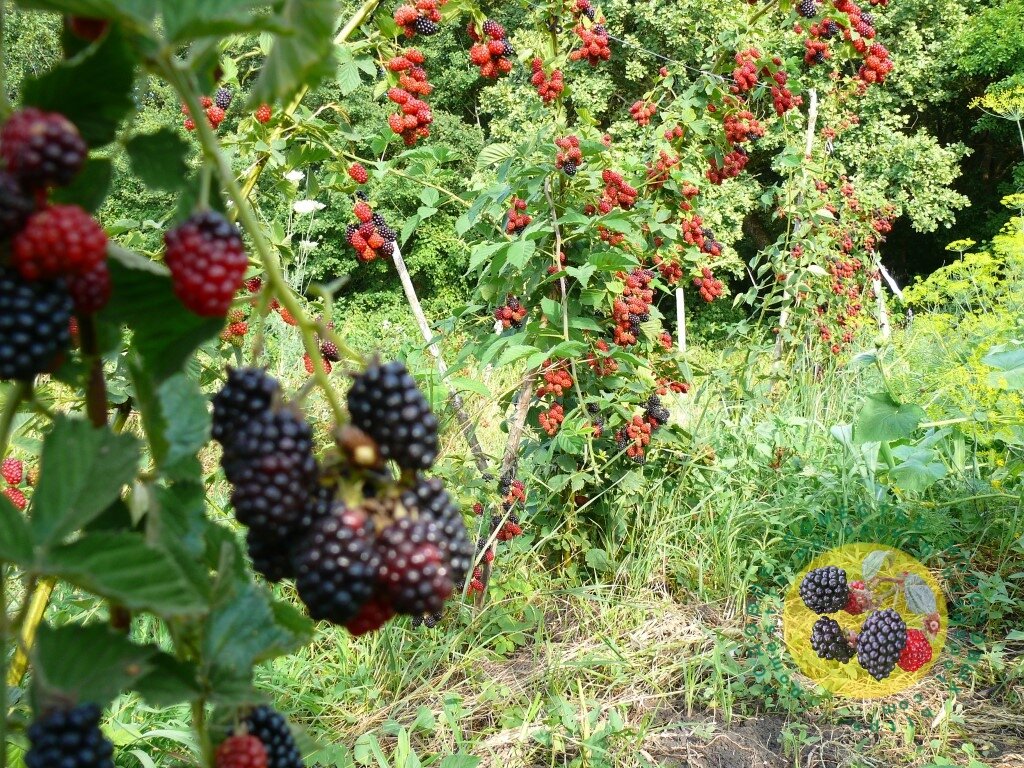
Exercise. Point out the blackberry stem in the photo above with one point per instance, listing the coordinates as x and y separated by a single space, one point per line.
179 78
19 393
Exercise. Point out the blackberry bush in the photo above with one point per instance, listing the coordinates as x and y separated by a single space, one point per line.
824 590
880 643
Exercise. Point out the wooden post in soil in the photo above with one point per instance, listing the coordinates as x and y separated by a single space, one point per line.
812 125
465 423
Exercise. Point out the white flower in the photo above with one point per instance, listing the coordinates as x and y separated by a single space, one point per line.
308 206
295 177
308 246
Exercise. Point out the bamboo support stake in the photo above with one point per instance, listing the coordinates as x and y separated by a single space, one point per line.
681 319
465 423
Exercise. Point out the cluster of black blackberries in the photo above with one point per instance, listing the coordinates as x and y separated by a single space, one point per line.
656 413
881 639
271 728
403 550
69 738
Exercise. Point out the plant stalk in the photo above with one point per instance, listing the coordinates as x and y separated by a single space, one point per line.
3 645
19 393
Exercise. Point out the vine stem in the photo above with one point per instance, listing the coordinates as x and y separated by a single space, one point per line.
3 646
5 102
269 259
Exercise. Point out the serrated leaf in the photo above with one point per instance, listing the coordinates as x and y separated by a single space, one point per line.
168 682
90 187
598 560
347 75
93 90
124 568
873 563
919 596
301 58
175 416
83 470
86 663
15 536
882 419
186 20
164 333
158 159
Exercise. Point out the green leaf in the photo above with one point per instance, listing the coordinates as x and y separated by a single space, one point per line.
303 57
1009 362
919 596
141 11
175 416
86 663
873 564
158 159
190 19
598 560
93 90
124 568
164 332
15 536
460 761
882 419
168 682
918 470
83 471
347 76
90 187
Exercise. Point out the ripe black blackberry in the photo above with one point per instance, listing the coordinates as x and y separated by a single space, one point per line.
868 19
824 590
329 351
271 465
269 557
425 26
248 393
223 98
880 642
413 573
336 565
34 325
388 406
570 168
808 9
593 408
829 641
429 499
656 412
271 728
69 738
16 206
831 29
41 149
430 621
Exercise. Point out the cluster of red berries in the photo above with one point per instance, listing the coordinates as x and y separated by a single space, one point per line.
13 472
731 166
745 75
741 126
695 233
57 253
492 53
642 112
616 192
614 239
551 420
518 219
422 18
358 173
858 31
236 329
633 307
670 268
584 8
783 98
557 379
671 385
660 171
594 44
371 238
600 360
412 121
634 438
569 156
215 109
548 88
511 314
710 288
